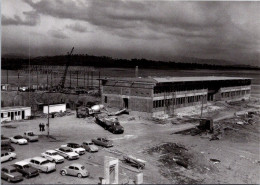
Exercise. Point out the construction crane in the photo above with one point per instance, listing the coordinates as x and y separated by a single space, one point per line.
63 79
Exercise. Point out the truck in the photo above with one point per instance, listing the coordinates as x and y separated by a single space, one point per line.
88 110
109 123
30 136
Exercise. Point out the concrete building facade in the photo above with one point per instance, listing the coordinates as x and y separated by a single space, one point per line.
15 113
156 96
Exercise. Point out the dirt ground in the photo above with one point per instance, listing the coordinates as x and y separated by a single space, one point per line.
237 149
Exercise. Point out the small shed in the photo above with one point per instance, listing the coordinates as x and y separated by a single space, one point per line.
5 87
15 113
54 108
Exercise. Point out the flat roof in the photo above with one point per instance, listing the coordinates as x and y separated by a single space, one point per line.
173 79
14 108
195 78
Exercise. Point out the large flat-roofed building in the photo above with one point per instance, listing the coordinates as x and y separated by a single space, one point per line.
153 96
15 113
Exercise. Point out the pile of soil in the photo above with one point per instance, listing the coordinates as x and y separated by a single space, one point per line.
173 160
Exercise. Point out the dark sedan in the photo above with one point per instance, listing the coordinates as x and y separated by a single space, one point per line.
25 169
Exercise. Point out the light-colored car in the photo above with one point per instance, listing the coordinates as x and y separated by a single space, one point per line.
67 153
11 174
53 156
75 148
102 141
18 139
30 136
75 169
7 156
89 146
42 164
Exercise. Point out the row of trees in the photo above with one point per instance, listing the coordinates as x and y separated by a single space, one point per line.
103 61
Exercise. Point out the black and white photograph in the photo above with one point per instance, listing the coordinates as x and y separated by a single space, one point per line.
130 92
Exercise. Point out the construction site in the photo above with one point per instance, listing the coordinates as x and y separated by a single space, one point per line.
164 130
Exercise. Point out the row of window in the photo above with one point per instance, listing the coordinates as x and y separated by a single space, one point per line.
9 114
178 101
127 92
234 93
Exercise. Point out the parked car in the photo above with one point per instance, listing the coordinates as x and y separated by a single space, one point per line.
42 164
7 146
75 148
26 169
53 156
30 136
101 141
5 140
18 139
67 153
11 174
7 156
89 146
75 169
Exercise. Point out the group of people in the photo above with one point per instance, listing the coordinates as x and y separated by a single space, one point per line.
42 127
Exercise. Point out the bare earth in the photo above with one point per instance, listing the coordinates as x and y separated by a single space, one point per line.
237 149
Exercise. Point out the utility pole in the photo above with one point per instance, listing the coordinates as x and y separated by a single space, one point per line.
48 124
48 79
99 81
37 79
18 80
202 106
77 78
7 76
84 78
70 79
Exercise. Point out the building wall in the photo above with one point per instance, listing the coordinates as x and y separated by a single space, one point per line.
6 115
139 96
54 108
233 93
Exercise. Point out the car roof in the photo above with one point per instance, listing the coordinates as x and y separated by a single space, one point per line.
76 165
18 135
65 147
73 143
9 167
40 159
88 141
22 163
50 151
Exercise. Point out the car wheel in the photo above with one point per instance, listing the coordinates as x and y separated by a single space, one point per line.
79 175
10 159
27 176
9 180
63 173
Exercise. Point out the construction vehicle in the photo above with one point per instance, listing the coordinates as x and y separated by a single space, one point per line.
60 86
83 112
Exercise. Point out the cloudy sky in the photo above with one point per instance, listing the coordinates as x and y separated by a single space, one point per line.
133 29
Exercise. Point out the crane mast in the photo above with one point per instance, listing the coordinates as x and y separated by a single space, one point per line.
63 79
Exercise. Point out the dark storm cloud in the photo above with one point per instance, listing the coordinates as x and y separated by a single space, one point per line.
200 29
31 18
77 27
58 34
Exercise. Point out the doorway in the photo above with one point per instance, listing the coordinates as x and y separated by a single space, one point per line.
23 114
125 103
12 115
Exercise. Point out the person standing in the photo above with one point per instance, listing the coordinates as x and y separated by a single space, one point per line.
43 127
40 127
